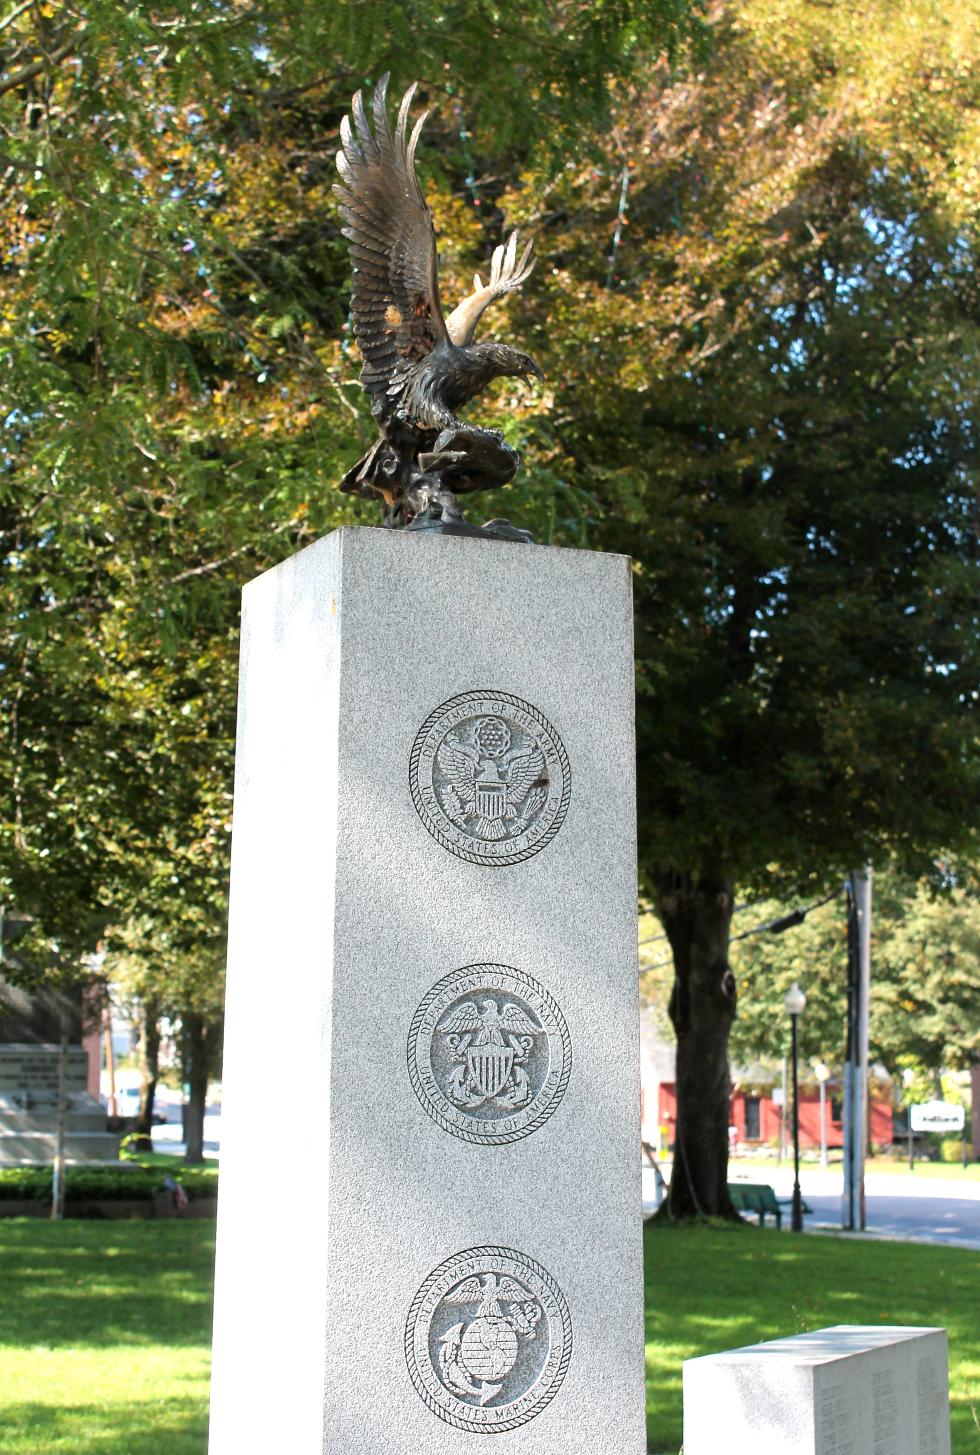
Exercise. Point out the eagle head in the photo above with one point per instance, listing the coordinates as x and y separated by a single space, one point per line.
495 360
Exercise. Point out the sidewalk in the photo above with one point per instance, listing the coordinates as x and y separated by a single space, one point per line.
899 1207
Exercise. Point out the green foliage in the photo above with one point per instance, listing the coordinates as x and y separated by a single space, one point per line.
925 981
761 390
128 1183
926 991
181 398
787 447
815 955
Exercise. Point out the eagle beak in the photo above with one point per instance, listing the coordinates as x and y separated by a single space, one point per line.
526 375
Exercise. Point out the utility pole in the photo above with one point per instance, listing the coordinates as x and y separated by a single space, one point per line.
858 890
795 1005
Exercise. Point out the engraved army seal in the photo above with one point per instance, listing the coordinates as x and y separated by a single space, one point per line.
489 1054
488 1340
490 778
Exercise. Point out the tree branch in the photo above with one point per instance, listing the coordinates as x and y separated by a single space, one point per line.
27 73
15 14
210 566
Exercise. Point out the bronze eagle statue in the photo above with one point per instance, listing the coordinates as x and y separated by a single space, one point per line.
419 367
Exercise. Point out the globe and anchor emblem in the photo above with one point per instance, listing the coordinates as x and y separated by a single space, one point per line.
475 1358
488 1339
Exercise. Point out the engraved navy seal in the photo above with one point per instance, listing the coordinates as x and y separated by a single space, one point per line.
490 778
488 1340
489 1054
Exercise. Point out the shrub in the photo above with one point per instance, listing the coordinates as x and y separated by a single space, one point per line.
127 1183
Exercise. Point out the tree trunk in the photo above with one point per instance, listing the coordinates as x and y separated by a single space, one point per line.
195 1071
149 1074
58 1171
696 915
975 1108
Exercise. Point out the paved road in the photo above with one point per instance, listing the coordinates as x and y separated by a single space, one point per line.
169 1137
934 1209
953 1220
930 1209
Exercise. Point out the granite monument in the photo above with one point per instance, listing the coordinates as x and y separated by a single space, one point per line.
846 1390
434 868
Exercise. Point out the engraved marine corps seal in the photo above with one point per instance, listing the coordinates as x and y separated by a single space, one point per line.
490 778
489 1054
488 1340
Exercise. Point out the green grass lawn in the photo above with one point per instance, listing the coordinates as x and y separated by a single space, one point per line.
709 1289
105 1326
105 1330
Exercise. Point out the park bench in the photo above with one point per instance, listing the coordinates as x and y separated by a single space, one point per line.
758 1197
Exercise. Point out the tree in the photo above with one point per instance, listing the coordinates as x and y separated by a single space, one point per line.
764 399
925 982
925 977
757 309
925 1006
181 396
814 954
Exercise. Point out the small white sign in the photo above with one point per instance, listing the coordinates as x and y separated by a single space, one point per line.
777 1096
938 1116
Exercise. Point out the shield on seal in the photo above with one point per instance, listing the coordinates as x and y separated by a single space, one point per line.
491 799
489 1067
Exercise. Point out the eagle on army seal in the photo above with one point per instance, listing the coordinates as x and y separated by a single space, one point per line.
492 789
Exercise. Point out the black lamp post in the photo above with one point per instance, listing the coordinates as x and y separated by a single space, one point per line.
794 1002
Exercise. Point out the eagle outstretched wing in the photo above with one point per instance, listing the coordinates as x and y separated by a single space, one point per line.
397 314
523 772
465 1017
459 768
468 1292
514 1020
507 273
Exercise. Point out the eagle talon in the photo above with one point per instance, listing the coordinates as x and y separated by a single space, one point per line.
450 506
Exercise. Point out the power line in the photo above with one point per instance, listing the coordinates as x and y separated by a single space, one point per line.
772 926
787 921
748 904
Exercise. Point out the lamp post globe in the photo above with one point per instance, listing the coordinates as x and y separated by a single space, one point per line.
795 1003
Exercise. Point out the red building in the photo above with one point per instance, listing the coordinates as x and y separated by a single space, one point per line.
757 1118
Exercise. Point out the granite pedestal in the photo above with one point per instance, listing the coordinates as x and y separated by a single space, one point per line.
846 1390
29 1108
432 1008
